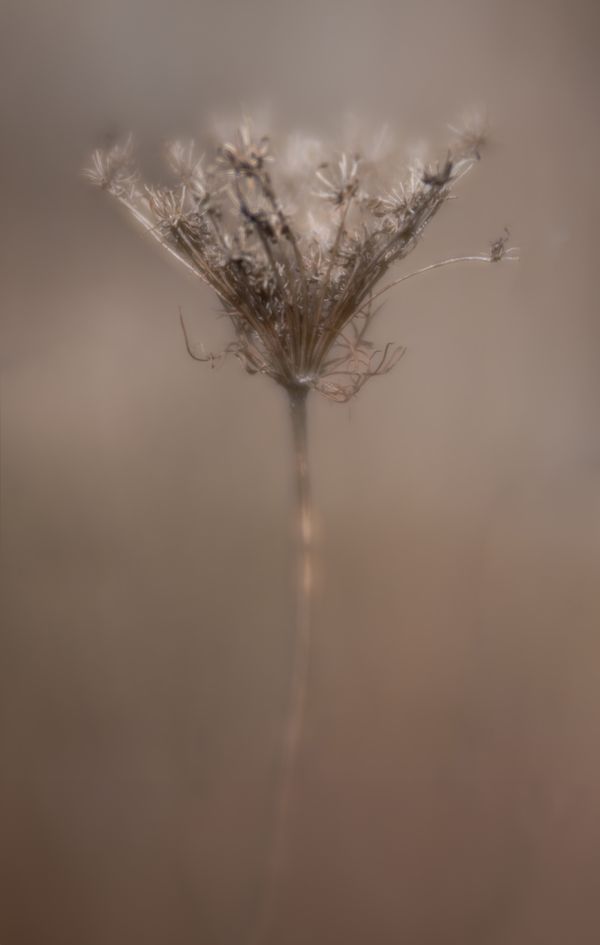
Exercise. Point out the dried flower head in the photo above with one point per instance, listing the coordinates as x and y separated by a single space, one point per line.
294 243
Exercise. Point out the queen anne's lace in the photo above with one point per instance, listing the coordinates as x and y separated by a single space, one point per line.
294 248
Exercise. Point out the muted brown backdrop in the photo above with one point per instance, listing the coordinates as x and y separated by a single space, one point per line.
449 788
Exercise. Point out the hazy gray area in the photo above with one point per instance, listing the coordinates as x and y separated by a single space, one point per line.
449 786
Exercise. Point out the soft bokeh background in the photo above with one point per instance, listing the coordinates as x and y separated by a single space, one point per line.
449 787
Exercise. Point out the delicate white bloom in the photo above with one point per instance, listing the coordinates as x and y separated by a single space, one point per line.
338 182
471 133
188 166
114 169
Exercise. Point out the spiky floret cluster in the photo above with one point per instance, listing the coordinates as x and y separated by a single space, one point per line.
294 247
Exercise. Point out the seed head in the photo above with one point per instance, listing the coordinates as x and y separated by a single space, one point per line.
294 239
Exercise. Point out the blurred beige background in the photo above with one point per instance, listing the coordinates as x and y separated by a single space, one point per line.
449 788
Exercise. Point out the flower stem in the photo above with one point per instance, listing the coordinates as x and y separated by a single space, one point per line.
294 723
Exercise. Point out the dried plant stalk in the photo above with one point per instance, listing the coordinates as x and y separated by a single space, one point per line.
294 723
296 254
